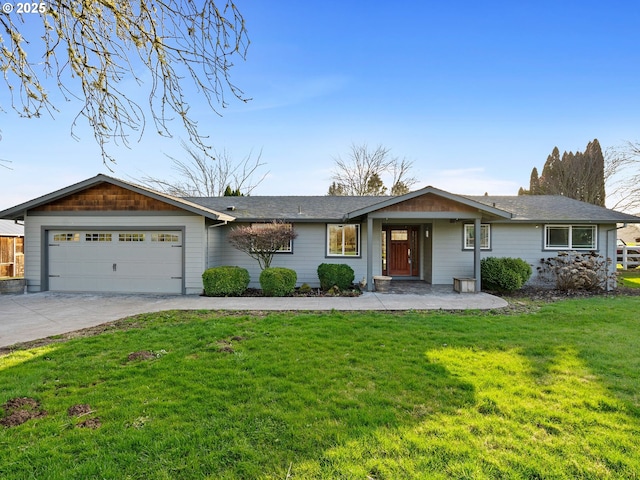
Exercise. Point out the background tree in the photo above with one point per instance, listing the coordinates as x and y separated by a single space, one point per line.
214 175
362 173
622 175
579 175
91 49
262 240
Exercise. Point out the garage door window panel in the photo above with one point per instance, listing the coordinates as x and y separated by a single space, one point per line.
98 237
131 237
66 237
165 237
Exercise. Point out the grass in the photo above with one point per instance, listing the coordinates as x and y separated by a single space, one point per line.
549 394
629 278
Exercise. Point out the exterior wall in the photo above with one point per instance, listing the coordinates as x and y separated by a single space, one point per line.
448 259
519 241
309 251
525 241
214 236
193 242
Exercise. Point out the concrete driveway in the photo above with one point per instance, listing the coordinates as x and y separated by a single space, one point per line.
39 315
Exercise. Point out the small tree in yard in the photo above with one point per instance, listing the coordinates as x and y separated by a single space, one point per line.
261 241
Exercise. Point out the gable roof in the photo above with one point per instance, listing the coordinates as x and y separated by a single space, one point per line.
287 208
17 212
465 201
554 209
524 208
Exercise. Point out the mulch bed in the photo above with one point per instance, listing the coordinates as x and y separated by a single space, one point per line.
313 292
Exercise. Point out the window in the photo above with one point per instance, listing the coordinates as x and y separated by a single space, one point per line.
343 240
97 237
485 236
131 237
66 237
577 237
288 248
165 237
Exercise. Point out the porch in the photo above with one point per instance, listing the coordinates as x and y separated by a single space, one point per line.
418 287
427 235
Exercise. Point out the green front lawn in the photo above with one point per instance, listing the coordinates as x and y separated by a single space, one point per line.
629 278
549 394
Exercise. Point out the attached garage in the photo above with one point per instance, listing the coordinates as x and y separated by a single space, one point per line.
110 236
132 261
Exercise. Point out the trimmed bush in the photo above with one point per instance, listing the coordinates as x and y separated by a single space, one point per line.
278 282
225 281
504 274
519 266
339 274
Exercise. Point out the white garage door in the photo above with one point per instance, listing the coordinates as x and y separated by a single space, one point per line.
115 261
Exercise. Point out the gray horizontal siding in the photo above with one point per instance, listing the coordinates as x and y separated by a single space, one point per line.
308 252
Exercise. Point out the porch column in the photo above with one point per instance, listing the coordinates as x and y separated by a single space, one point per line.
476 253
369 253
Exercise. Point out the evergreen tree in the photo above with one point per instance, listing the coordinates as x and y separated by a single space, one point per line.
375 186
576 175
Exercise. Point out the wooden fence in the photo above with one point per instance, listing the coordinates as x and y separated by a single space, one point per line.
628 257
11 256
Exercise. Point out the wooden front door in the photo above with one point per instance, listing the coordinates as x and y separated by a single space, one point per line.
402 251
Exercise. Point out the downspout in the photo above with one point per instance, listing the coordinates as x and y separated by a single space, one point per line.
476 254
212 226
615 256
369 253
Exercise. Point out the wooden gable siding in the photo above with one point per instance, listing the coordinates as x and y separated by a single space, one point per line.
428 203
106 197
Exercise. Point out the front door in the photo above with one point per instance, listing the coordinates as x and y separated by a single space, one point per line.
402 259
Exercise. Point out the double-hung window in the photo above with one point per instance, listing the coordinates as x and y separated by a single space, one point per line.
469 236
343 240
572 237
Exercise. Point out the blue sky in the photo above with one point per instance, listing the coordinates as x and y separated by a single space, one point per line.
475 93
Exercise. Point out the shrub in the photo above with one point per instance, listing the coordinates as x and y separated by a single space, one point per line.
504 274
519 266
225 281
339 274
578 271
277 281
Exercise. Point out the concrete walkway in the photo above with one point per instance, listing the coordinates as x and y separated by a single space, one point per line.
38 315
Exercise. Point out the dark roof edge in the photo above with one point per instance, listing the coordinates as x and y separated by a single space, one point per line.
436 191
17 212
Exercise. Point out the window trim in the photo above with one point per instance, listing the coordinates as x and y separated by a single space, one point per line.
328 253
570 228
465 230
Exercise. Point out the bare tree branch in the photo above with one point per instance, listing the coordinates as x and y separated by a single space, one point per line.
209 175
362 172
93 48
622 175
